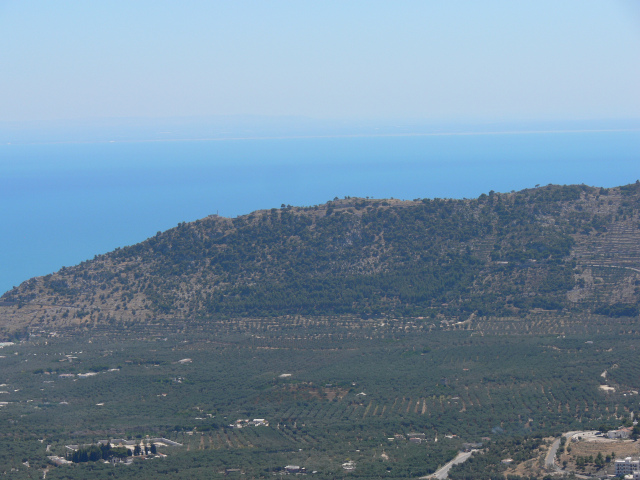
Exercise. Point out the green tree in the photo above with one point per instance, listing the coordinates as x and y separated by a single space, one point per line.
599 460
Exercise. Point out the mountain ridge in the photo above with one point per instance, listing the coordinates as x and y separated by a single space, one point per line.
563 249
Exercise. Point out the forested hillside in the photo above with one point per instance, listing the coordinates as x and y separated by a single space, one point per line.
560 249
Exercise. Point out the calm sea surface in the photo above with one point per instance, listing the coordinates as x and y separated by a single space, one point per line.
63 203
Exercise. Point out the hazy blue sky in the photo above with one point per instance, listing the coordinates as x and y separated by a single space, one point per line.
472 60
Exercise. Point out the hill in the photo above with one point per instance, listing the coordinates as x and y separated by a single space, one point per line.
563 250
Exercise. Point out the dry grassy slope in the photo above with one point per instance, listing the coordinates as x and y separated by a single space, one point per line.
166 277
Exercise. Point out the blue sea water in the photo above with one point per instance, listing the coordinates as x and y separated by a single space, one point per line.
63 203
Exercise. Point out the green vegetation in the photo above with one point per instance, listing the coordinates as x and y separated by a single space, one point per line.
354 385
346 326
556 248
104 451
489 464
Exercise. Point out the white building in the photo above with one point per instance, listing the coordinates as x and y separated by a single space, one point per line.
621 434
350 465
627 467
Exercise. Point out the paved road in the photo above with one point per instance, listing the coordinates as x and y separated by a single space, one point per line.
549 460
551 455
442 472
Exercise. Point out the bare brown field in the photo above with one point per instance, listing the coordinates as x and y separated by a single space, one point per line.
619 448
622 448
534 467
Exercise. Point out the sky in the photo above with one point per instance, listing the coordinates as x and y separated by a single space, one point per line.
441 61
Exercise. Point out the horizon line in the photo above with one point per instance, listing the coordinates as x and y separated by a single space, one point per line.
354 135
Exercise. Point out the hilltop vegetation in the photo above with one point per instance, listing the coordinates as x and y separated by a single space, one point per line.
556 248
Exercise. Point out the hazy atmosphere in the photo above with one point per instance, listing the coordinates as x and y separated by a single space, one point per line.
353 240
462 61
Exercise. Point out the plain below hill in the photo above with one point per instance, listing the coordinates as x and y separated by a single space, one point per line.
558 249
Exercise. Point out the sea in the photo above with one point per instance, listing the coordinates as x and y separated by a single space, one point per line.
63 203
